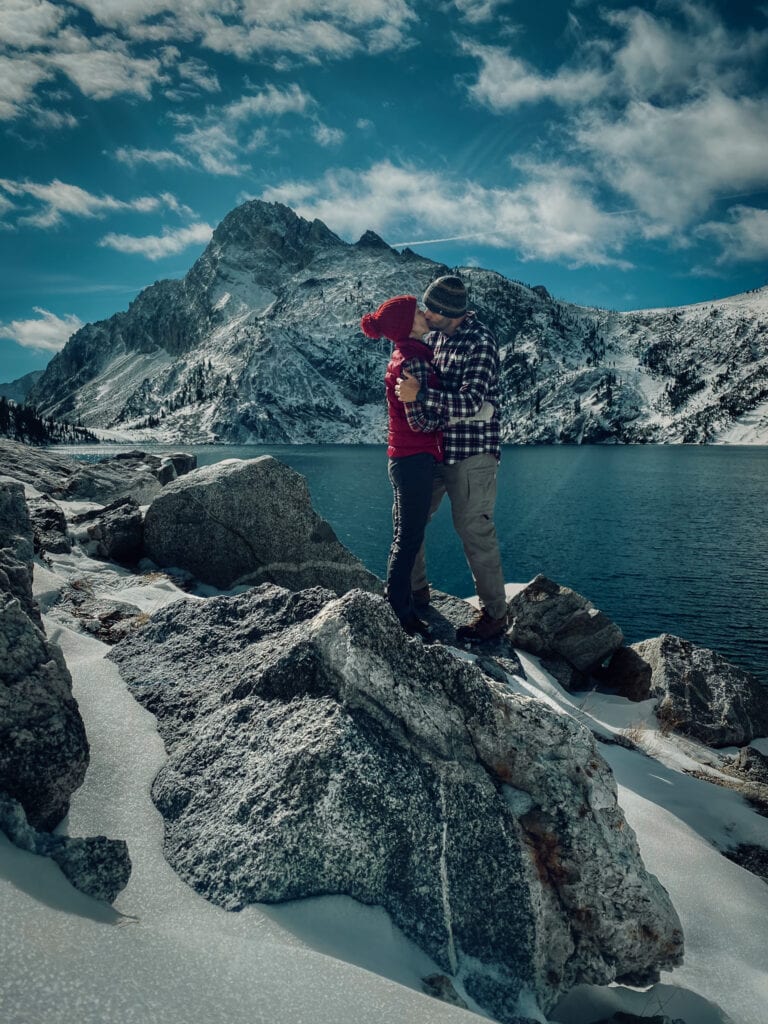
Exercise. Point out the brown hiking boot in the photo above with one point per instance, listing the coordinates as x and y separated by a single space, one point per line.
421 597
482 627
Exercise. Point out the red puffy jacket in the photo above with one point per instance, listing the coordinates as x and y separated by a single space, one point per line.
401 439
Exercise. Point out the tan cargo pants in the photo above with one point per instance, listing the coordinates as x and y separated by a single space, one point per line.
471 489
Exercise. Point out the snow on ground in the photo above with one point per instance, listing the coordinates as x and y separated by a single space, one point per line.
751 428
164 955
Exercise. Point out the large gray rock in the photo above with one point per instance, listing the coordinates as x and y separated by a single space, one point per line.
703 695
565 629
314 749
97 866
128 474
244 522
49 526
16 548
115 532
43 748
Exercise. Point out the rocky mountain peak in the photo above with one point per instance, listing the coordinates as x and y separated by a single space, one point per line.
260 342
370 240
257 226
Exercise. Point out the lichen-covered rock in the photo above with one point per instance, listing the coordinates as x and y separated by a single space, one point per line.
43 748
98 866
627 674
565 629
135 474
115 532
315 749
16 548
703 695
49 526
244 522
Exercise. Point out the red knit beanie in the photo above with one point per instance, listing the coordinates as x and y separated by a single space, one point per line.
393 319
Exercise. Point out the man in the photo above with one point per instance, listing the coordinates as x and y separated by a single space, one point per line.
466 357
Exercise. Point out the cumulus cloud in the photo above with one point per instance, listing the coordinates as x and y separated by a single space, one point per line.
551 216
327 136
19 79
103 67
657 109
46 333
308 29
742 238
505 82
218 139
25 25
270 102
156 247
656 59
475 11
132 156
59 199
673 161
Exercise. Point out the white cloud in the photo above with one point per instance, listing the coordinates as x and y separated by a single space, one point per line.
671 162
326 136
19 78
476 11
505 82
198 74
550 217
270 102
218 139
309 29
157 157
156 247
743 238
102 68
47 333
58 199
214 145
26 24
657 60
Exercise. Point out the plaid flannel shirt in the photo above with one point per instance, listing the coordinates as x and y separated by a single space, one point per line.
419 417
468 365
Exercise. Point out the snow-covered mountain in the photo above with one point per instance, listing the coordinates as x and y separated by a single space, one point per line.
260 342
17 390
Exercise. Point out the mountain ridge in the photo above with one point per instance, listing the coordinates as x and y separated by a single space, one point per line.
260 343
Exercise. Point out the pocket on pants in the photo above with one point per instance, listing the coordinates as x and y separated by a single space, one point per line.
481 490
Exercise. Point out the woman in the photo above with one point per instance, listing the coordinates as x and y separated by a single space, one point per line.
414 445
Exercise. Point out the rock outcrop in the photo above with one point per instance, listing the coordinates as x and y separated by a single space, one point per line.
115 532
128 474
702 695
245 522
43 747
570 635
314 749
49 526
98 866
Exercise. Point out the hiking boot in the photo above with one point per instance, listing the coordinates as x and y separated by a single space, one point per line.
414 626
482 627
421 597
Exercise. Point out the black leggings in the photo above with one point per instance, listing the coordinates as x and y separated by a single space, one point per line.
411 479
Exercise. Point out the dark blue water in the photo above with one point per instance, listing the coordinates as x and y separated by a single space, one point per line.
662 539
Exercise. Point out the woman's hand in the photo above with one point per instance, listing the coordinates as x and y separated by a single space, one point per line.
407 387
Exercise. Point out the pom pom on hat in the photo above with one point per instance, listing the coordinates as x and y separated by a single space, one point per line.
393 319
447 296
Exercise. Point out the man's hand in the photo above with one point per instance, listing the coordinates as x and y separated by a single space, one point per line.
407 387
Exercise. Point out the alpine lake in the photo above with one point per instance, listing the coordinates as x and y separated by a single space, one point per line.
663 539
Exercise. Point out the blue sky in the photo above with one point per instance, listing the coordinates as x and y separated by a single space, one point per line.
617 154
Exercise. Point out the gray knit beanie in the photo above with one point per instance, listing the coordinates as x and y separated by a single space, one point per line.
446 296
